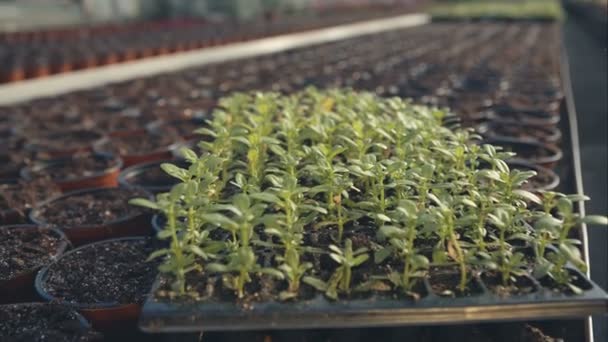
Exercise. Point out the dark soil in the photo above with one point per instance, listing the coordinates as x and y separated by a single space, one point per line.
91 208
25 195
521 286
22 250
42 323
139 144
108 272
81 166
445 283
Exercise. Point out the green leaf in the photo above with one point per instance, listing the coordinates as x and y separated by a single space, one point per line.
528 196
220 220
175 171
189 154
266 197
595 220
382 254
146 203
360 259
317 283
157 254
218 268
198 251
383 218
242 140
273 272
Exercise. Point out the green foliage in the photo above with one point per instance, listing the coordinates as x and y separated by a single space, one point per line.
285 182
498 9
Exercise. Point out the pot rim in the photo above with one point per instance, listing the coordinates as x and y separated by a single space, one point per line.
556 153
134 170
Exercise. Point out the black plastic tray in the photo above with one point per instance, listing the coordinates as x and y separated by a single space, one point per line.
172 316
375 311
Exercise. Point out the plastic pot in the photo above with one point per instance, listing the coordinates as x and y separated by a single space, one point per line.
76 325
46 152
500 128
532 151
20 288
134 225
138 176
103 316
131 159
106 178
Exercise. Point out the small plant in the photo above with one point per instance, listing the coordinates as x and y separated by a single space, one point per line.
402 243
340 281
286 186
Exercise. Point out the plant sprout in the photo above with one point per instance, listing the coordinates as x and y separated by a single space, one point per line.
304 188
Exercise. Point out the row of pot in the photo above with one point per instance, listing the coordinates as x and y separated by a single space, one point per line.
38 54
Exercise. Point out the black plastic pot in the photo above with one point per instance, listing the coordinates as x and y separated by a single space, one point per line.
107 178
103 316
136 225
498 128
78 325
44 152
551 155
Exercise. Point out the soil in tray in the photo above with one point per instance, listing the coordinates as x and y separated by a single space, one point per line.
139 144
521 286
110 272
97 208
80 166
445 283
43 322
25 195
22 250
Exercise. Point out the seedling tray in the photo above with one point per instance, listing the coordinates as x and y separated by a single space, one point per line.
164 315
318 312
